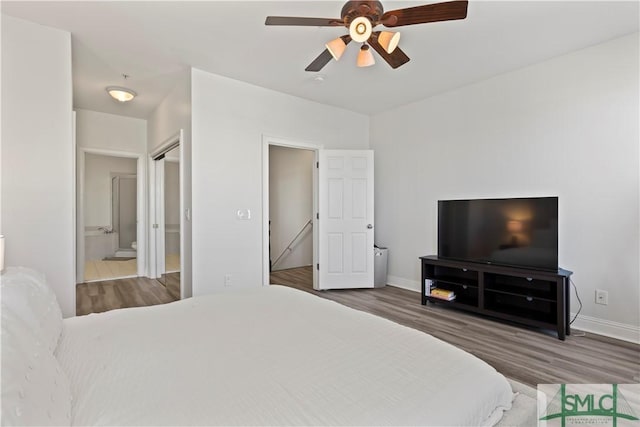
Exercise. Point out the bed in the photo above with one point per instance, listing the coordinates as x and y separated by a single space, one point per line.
265 356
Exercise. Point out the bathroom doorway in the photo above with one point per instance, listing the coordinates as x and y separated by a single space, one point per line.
108 210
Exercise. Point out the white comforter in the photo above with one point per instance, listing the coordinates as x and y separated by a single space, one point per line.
270 356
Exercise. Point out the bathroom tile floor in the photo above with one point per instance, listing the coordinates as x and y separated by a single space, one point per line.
172 263
104 270
96 270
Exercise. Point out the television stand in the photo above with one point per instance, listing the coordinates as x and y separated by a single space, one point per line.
529 297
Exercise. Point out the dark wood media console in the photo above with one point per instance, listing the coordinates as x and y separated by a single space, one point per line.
530 297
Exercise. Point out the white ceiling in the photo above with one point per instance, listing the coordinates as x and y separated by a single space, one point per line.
153 41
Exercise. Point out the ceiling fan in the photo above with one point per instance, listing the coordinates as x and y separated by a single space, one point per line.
361 17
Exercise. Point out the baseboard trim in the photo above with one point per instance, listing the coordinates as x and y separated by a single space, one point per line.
620 331
102 279
399 282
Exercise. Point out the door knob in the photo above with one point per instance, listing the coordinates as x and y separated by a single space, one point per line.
369 226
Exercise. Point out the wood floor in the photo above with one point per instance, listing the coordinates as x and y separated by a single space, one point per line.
526 355
96 297
171 281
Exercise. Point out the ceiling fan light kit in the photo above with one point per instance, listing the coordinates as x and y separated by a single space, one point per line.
365 57
360 29
336 48
361 17
389 40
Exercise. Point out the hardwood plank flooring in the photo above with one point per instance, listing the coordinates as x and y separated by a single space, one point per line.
172 284
96 297
523 354
528 355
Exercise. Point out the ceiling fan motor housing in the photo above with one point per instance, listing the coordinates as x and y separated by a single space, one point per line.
371 10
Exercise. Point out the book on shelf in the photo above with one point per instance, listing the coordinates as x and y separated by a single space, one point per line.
449 298
444 293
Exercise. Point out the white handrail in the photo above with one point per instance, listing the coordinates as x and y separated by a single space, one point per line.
288 248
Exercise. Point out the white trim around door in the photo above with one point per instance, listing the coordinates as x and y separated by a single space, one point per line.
141 207
282 142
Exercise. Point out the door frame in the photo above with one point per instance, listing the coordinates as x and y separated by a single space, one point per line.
267 141
141 192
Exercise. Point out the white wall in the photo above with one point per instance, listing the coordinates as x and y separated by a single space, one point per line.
97 199
38 155
290 205
229 120
173 114
565 127
110 132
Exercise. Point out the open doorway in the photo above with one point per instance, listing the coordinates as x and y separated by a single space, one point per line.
108 206
342 217
289 217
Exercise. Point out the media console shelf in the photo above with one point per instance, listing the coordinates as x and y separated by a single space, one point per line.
530 297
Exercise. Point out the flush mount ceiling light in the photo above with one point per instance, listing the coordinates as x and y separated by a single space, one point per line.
121 94
361 17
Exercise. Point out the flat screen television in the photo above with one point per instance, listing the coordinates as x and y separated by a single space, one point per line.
516 232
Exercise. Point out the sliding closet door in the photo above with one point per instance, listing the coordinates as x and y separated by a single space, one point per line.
168 219
159 221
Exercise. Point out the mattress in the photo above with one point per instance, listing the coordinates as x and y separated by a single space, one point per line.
270 356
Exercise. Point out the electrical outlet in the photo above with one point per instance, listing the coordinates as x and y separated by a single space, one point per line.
602 297
227 280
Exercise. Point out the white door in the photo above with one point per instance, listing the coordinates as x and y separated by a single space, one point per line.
345 184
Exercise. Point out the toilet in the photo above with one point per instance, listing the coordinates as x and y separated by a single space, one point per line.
134 246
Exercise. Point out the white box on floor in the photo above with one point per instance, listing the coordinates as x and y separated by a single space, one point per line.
380 260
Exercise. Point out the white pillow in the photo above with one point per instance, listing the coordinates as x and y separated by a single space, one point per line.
26 293
35 390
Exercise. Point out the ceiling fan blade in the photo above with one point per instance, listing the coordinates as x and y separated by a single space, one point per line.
395 58
305 22
324 58
318 63
447 11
